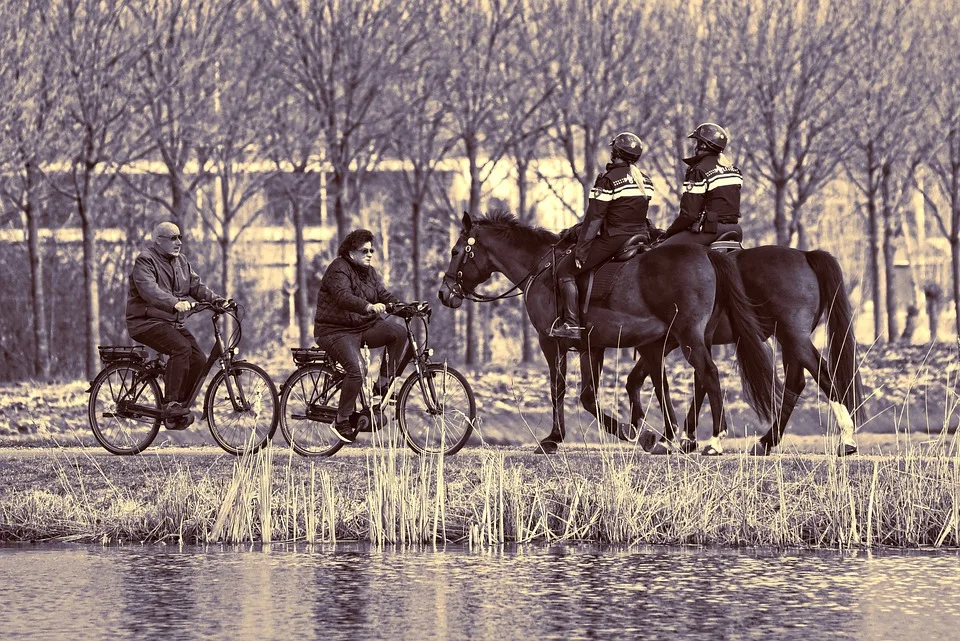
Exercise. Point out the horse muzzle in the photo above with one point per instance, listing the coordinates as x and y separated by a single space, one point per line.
448 297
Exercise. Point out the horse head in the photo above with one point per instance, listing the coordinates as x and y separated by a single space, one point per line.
470 265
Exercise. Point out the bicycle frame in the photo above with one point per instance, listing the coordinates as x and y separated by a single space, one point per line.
219 352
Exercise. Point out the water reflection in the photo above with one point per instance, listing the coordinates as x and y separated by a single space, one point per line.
576 592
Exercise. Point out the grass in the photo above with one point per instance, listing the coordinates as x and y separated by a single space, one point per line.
489 496
903 491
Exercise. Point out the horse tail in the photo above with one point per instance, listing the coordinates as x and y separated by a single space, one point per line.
757 376
841 341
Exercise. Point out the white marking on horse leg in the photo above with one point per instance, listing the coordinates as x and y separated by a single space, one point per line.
716 442
844 422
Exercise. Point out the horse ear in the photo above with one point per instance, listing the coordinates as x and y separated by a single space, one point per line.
467 221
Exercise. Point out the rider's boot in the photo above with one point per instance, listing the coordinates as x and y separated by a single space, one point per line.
568 325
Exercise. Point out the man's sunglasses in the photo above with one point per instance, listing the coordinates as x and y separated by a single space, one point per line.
174 237
367 251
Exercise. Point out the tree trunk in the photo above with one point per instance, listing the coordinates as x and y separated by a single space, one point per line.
472 342
415 209
780 223
339 211
92 285
889 231
41 365
955 269
303 296
526 338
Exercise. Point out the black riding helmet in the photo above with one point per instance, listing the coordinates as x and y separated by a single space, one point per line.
711 137
627 145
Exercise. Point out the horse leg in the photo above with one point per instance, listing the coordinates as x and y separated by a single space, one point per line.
646 438
653 356
811 359
688 442
591 362
707 375
557 362
792 388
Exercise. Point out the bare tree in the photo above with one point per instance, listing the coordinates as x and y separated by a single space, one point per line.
604 68
28 117
96 57
234 140
791 61
943 163
175 81
421 142
293 147
890 98
479 40
341 56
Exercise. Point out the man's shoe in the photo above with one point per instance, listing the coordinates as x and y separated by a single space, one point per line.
345 430
177 424
565 330
174 409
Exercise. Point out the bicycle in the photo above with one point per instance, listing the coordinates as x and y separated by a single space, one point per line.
434 408
240 405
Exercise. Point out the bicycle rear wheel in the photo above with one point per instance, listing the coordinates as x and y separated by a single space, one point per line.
436 412
242 408
115 422
308 410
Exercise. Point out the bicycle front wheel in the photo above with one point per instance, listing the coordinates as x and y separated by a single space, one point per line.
112 409
436 411
242 408
308 410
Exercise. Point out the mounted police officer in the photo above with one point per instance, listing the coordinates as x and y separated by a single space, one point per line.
617 210
710 201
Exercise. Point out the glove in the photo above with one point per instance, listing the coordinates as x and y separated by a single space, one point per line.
580 256
656 235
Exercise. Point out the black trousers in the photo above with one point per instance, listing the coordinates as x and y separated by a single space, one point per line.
599 249
186 358
344 347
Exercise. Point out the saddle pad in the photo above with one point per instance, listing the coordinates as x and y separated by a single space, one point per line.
603 280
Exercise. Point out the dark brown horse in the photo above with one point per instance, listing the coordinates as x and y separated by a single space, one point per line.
673 291
793 291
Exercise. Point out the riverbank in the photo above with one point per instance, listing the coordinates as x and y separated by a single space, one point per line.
907 495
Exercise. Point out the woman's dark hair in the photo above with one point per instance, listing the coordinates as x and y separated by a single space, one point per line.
354 241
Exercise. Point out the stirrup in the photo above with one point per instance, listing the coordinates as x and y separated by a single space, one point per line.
559 331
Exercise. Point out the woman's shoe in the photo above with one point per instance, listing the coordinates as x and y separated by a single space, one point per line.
345 430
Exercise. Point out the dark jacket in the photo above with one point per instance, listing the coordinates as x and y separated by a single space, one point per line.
157 283
711 188
345 292
618 205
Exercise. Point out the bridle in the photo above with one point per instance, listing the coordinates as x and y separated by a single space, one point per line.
458 289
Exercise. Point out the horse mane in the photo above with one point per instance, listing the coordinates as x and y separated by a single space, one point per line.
504 223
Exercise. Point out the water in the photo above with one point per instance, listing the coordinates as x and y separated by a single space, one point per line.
571 592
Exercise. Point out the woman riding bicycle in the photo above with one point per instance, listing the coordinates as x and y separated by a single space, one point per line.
350 307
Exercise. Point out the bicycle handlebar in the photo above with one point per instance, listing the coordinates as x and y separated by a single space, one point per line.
410 310
226 305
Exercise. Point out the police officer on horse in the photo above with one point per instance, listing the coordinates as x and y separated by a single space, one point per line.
710 201
617 210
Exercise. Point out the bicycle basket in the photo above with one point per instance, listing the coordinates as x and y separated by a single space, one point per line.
309 355
113 353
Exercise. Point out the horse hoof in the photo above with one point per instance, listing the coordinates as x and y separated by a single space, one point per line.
662 448
761 449
647 440
547 447
627 432
688 446
846 449
710 451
